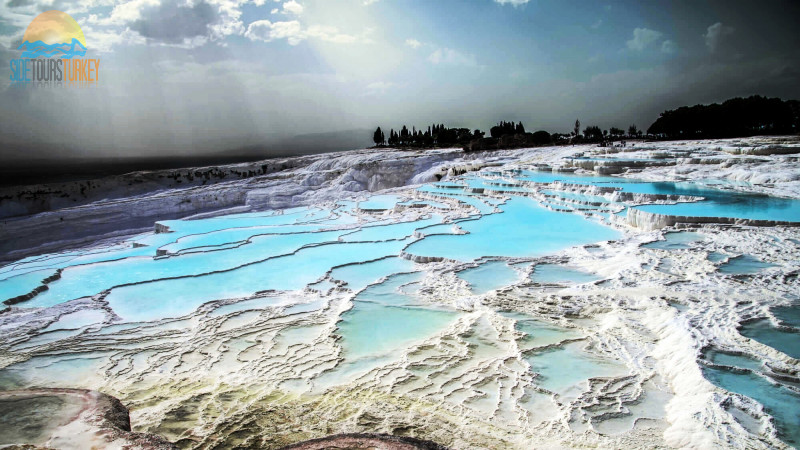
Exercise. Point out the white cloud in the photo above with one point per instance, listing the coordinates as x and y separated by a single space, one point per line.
643 38
448 56
103 41
264 30
668 47
294 33
413 43
292 7
128 12
715 34
230 14
513 3
369 2
274 11
330 34
597 24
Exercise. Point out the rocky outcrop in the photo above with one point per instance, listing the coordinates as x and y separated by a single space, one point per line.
421 259
161 228
69 419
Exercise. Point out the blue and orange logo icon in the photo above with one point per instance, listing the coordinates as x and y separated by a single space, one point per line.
50 49
53 33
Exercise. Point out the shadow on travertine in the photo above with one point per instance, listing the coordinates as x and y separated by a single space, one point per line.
365 441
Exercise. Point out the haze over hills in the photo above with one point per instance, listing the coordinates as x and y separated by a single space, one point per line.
33 164
29 164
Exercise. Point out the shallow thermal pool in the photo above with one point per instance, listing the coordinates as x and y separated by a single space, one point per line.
744 264
779 401
383 319
489 276
676 241
524 228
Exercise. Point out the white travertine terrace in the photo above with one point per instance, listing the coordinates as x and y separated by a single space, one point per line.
382 339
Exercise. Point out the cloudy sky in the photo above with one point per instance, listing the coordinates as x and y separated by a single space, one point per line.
195 76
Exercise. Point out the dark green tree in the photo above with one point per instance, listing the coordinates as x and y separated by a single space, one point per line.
404 138
378 137
541 137
593 133
503 128
735 117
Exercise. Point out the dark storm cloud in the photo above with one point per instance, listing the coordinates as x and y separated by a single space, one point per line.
172 23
